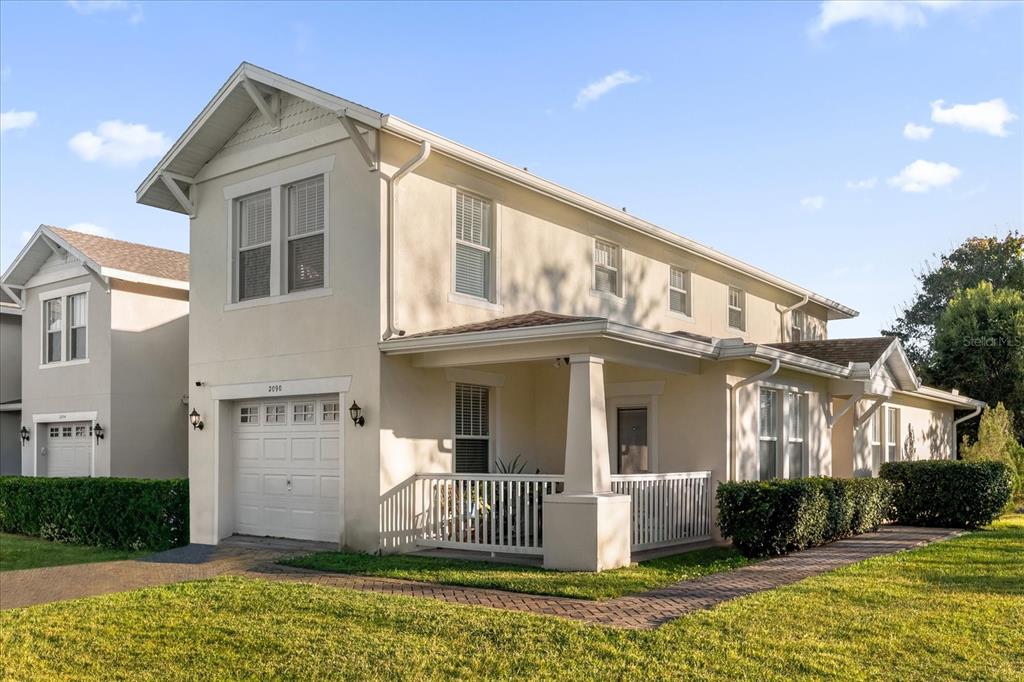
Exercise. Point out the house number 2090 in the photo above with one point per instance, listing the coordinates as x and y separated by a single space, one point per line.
274 388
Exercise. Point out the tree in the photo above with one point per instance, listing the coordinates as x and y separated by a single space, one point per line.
979 346
977 260
996 441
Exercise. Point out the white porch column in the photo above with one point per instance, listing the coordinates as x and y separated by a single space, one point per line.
586 528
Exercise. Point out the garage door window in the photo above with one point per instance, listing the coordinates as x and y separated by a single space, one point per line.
329 413
275 414
303 413
80 431
249 414
54 432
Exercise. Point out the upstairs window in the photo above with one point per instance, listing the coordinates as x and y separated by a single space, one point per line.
679 291
607 262
796 325
474 252
54 328
737 308
255 233
306 234
65 328
77 339
472 429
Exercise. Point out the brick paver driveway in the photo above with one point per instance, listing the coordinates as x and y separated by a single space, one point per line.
256 558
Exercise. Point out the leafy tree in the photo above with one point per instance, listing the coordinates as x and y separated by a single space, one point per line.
979 346
977 260
996 441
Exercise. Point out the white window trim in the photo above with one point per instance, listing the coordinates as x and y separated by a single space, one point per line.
277 183
886 443
494 423
782 436
493 300
619 293
248 425
729 307
688 315
64 294
802 438
794 327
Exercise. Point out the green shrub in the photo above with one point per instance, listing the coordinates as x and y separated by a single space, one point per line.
764 518
948 493
119 513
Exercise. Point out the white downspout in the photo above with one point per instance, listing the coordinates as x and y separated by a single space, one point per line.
392 183
730 464
957 422
782 315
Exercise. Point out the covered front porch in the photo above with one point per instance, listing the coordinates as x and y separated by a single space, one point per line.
581 449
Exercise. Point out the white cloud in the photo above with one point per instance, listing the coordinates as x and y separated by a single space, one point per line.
913 131
922 176
92 228
985 117
13 120
815 203
119 143
600 88
87 7
866 183
897 14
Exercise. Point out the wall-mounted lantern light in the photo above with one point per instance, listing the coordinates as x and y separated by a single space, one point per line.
25 435
356 413
195 419
98 432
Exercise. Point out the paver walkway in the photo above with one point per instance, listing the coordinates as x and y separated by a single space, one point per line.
255 558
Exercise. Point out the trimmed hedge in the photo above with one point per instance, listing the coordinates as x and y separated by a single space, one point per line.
765 518
948 493
119 513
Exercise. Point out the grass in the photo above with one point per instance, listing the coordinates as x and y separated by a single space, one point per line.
950 611
531 580
18 551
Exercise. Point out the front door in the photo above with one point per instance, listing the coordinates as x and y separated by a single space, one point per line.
632 446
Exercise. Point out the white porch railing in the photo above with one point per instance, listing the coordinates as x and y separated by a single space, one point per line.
504 513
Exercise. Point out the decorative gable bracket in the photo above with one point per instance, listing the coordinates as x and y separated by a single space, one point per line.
171 180
271 109
357 139
89 266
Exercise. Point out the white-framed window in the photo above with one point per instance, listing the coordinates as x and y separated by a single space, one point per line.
679 290
53 321
249 415
607 267
892 434
472 428
303 413
797 323
796 434
305 234
474 252
768 434
737 308
65 327
329 411
77 321
275 414
254 241
876 436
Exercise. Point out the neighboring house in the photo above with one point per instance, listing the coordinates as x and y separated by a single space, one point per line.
10 386
104 350
480 316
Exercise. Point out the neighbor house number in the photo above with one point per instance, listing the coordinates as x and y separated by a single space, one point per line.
274 388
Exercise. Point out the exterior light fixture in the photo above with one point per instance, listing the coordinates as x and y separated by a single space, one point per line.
25 435
356 413
195 420
98 432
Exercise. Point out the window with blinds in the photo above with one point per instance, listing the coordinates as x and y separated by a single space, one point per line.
76 327
306 234
472 429
737 305
254 243
607 257
768 434
679 291
473 250
796 431
54 326
892 434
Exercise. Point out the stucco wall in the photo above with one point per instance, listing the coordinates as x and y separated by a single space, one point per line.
10 390
545 262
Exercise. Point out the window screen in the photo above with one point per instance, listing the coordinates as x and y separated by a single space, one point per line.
606 267
76 327
678 291
472 245
472 428
306 234
254 226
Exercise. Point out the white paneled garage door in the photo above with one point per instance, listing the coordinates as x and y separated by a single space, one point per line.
288 468
68 449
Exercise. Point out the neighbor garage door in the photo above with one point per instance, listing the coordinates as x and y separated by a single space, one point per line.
288 468
68 449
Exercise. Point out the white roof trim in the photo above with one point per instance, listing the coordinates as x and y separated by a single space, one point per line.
43 232
11 407
948 397
129 276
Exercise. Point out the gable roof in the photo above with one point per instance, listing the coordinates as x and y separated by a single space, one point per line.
840 351
103 256
233 105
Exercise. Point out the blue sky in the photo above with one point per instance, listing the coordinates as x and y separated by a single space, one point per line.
777 133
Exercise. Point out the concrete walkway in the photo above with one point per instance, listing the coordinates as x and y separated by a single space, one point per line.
255 558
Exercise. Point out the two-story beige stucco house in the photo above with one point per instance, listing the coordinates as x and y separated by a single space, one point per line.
104 356
397 341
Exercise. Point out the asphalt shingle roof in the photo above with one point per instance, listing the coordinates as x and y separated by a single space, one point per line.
129 256
538 318
840 351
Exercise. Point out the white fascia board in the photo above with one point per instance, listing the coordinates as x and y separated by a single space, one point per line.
941 396
10 407
10 310
896 348
767 354
44 233
6 278
487 163
114 273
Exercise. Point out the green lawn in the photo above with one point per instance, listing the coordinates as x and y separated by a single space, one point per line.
18 551
949 611
638 578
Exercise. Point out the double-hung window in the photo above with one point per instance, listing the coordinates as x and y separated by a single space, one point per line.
782 433
54 321
306 234
768 434
255 236
679 291
472 428
796 433
737 308
77 338
607 265
796 324
876 436
65 328
474 246
892 434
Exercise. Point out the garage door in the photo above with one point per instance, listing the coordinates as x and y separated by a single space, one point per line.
68 450
288 468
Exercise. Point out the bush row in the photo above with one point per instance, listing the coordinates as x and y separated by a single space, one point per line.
948 493
765 518
120 513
